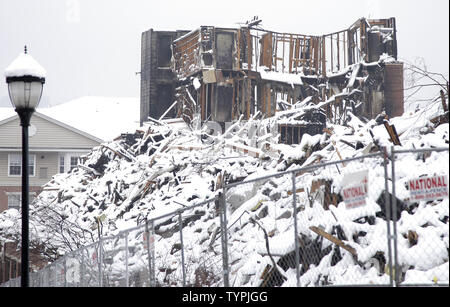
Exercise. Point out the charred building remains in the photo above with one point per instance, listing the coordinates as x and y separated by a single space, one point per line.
225 74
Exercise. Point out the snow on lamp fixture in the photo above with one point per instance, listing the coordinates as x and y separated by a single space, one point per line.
25 78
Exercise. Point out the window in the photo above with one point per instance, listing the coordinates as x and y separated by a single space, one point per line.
68 161
32 164
73 162
15 200
15 165
61 164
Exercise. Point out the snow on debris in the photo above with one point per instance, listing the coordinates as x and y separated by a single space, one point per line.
165 166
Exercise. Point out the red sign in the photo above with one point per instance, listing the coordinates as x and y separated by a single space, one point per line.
354 196
428 188
151 241
356 189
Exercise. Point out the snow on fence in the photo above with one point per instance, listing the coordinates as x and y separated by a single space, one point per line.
421 241
349 222
334 241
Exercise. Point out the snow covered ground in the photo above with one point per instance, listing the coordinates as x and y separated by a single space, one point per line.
169 166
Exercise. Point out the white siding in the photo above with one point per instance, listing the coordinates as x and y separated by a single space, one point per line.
44 160
49 141
48 135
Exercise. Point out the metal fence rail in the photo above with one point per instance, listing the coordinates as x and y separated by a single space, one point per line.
303 227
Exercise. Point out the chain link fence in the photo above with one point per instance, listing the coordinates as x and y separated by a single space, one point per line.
376 220
307 234
420 216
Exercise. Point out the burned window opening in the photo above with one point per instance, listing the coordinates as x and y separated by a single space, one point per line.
164 51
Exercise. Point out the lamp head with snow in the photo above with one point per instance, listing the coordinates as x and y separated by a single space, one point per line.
25 78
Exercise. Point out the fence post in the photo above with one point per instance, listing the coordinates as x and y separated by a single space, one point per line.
100 262
394 218
150 253
82 268
297 252
387 207
180 222
55 268
224 237
44 277
126 260
65 272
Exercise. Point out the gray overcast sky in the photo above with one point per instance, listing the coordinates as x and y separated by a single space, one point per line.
92 47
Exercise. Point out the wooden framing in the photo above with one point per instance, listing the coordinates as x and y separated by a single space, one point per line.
282 52
314 57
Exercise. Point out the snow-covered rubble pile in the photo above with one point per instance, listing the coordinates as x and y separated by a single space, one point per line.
170 166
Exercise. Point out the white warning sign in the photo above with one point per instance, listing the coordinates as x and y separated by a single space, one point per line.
428 188
354 196
356 189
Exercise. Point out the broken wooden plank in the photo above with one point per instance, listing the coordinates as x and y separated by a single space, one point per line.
329 197
333 239
168 110
440 119
397 137
147 187
122 155
51 189
253 152
265 272
347 143
301 190
338 152
90 170
186 147
392 133
413 238
328 131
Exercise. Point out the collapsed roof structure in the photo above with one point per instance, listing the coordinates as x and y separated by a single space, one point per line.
226 74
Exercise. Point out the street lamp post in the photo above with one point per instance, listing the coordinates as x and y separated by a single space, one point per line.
25 79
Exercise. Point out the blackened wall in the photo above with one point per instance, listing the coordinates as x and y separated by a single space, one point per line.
157 79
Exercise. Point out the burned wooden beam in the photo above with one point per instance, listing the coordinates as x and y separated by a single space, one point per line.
392 133
122 155
333 239
301 190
